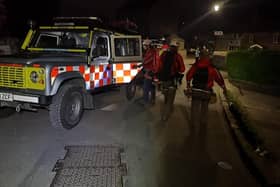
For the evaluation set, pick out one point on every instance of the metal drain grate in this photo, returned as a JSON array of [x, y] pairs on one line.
[[90, 166]]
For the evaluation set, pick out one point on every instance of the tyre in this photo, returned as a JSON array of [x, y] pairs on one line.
[[67, 106], [133, 89], [6, 112], [130, 90]]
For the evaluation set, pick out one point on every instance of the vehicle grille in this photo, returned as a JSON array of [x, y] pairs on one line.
[[12, 77]]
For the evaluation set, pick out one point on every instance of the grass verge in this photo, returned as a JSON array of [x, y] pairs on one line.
[[244, 123]]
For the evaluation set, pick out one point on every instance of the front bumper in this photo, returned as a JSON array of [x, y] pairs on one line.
[[8, 97], [25, 98]]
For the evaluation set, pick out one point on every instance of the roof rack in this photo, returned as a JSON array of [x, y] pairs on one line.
[[76, 18], [124, 26], [66, 21]]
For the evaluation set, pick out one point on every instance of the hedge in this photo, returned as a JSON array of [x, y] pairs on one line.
[[261, 67], [219, 62]]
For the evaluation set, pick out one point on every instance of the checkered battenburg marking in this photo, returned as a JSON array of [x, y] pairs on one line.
[[100, 75], [124, 73]]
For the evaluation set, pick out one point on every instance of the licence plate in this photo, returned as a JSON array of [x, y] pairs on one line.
[[6, 97]]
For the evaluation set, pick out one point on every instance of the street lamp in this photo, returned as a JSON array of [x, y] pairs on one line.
[[216, 7]]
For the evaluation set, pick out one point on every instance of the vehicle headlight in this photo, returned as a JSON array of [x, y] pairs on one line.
[[34, 76]]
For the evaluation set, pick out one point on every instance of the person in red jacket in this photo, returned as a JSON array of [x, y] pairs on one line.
[[150, 68], [203, 75], [208, 74], [164, 47], [171, 65]]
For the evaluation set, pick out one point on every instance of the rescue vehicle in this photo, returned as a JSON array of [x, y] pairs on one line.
[[61, 64]]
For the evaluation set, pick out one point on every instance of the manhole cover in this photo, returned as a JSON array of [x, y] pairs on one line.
[[224, 165], [92, 166]]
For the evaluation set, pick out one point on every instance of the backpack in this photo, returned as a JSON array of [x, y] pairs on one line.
[[200, 78], [165, 71]]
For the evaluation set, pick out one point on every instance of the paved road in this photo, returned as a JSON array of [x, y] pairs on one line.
[[158, 154]]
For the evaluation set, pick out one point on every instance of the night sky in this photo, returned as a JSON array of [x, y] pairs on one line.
[[153, 16]]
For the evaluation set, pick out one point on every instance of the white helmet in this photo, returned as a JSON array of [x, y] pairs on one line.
[[147, 42], [174, 43]]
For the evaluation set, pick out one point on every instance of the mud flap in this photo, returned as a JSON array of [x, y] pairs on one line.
[[88, 101]]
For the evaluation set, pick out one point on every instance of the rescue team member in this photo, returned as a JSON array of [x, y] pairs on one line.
[[150, 68], [203, 75], [170, 65], [164, 47]]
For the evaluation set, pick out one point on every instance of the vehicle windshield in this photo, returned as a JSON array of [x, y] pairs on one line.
[[70, 39]]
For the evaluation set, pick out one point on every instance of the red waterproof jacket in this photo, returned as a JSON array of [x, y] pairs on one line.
[[213, 73], [177, 67], [164, 47], [150, 60]]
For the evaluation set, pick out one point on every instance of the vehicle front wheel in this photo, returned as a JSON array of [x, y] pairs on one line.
[[67, 106], [6, 112]]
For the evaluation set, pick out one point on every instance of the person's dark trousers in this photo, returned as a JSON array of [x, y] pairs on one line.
[[196, 59], [169, 92], [199, 108], [149, 88]]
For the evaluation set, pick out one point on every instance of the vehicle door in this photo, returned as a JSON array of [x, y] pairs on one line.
[[126, 56], [100, 68]]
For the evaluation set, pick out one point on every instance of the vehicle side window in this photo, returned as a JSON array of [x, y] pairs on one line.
[[67, 42], [47, 41], [52, 39], [126, 47], [101, 47]]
